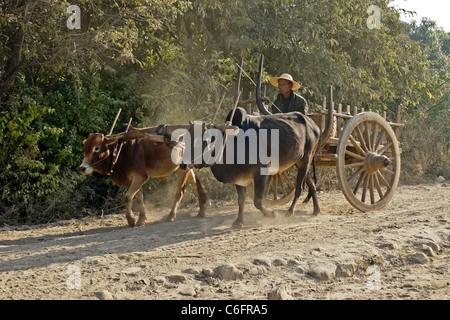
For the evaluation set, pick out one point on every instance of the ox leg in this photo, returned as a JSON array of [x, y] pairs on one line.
[[312, 193], [260, 186], [239, 223], [300, 184], [181, 189], [199, 191], [135, 186], [140, 200]]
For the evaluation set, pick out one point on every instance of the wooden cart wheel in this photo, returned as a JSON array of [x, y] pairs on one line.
[[280, 188], [368, 163]]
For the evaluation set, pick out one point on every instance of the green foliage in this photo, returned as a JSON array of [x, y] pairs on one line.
[[425, 142], [25, 174], [434, 95], [426, 146], [319, 43], [42, 146]]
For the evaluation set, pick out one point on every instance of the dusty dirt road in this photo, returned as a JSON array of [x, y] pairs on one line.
[[401, 252]]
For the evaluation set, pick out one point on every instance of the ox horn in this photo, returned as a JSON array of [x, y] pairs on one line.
[[238, 81], [259, 101], [110, 140]]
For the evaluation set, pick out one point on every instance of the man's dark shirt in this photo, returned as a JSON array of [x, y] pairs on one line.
[[295, 102]]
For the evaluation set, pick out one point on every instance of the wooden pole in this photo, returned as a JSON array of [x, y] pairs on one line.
[[339, 120], [217, 110], [114, 123], [234, 109], [120, 148], [398, 120]]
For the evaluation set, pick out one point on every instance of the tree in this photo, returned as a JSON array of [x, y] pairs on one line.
[[435, 45], [319, 42], [53, 90], [35, 34], [426, 146]]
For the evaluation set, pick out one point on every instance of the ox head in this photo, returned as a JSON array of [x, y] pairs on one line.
[[97, 155]]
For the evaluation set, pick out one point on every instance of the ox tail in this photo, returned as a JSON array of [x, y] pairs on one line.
[[314, 169]]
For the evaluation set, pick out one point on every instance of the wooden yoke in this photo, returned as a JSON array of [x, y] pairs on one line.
[[155, 134]]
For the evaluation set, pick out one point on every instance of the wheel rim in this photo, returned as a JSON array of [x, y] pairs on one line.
[[368, 163]]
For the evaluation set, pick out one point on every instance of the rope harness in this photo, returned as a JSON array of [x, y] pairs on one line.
[[118, 149], [229, 122]]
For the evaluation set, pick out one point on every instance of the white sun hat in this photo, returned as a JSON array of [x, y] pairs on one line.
[[285, 76]]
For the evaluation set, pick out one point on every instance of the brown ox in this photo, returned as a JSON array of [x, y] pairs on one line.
[[138, 160]]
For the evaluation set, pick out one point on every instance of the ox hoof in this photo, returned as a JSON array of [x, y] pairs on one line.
[[131, 222], [269, 214], [238, 225], [316, 212], [290, 214], [140, 223], [201, 215]]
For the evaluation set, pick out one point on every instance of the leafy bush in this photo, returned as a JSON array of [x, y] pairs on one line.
[[425, 143]]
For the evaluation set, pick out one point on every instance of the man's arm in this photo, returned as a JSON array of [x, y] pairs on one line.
[[300, 104]]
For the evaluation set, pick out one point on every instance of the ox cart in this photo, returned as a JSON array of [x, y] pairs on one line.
[[364, 148], [362, 145]]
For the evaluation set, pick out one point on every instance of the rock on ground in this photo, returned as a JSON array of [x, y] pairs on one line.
[[279, 293], [229, 272]]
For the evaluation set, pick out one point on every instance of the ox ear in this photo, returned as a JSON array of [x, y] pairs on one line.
[[110, 140]]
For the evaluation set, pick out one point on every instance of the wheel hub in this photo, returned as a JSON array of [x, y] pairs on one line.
[[374, 162]]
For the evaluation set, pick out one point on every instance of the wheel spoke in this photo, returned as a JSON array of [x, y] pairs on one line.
[[356, 145], [361, 139], [288, 179], [356, 164], [292, 170], [283, 189], [357, 172], [383, 180], [364, 191], [377, 186], [380, 138], [385, 147], [372, 195], [354, 155], [388, 171], [360, 180], [266, 192], [374, 136], [367, 135]]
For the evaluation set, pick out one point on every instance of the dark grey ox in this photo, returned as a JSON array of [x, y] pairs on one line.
[[298, 140]]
